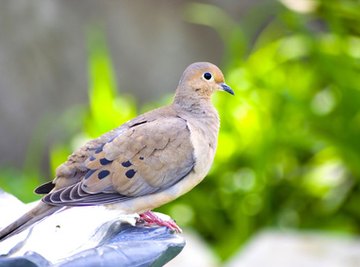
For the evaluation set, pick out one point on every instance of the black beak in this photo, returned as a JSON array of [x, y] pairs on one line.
[[227, 88]]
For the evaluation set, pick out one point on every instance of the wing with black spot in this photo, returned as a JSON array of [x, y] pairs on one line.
[[138, 162], [44, 188]]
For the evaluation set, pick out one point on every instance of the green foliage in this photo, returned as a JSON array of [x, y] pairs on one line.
[[288, 150], [107, 110], [20, 183]]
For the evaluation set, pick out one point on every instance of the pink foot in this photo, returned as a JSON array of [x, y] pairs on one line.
[[149, 218]]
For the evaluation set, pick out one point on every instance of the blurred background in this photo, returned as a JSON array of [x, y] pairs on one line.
[[289, 148]]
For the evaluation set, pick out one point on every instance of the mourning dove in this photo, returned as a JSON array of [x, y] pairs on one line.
[[146, 162]]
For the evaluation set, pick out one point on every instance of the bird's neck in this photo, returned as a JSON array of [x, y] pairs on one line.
[[200, 111], [193, 103]]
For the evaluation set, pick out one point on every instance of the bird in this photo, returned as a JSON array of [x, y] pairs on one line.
[[144, 163]]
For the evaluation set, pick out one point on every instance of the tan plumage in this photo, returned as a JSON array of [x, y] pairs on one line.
[[145, 162]]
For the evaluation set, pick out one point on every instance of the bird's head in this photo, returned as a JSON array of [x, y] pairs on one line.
[[202, 79]]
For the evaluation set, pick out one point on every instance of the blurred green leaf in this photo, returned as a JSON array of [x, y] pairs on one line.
[[107, 110]]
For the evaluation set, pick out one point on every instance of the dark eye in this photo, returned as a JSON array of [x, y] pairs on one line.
[[207, 75]]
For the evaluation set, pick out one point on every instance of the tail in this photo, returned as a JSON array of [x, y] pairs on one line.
[[41, 211]]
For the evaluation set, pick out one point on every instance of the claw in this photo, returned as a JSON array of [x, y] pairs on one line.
[[150, 218]]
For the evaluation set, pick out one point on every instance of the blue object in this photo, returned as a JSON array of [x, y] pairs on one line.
[[123, 245]]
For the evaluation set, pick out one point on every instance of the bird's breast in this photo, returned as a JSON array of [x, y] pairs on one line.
[[204, 135]]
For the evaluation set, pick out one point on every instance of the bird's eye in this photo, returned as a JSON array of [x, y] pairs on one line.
[[207, 76]]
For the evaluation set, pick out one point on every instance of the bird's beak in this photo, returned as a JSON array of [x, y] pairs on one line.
[[226, 88]]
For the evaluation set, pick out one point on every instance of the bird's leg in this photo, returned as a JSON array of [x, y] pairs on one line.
[[151, 218]]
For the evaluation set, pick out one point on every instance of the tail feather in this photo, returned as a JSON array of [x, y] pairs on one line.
[[41, 211]]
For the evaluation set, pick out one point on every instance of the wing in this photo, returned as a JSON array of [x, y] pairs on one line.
[[147, 157]]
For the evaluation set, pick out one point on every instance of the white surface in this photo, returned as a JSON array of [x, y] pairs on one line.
[[298, 249], [268, 249], [11, 208], [50, 237]]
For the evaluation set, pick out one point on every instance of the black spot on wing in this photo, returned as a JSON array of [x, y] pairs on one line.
[[105, 161], [141, 158], [138, 123], [103, 174], [126, 164], [92, 158], [45, 188], [130, 173]]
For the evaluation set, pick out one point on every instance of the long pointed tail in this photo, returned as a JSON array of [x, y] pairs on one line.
[[41, 211]]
